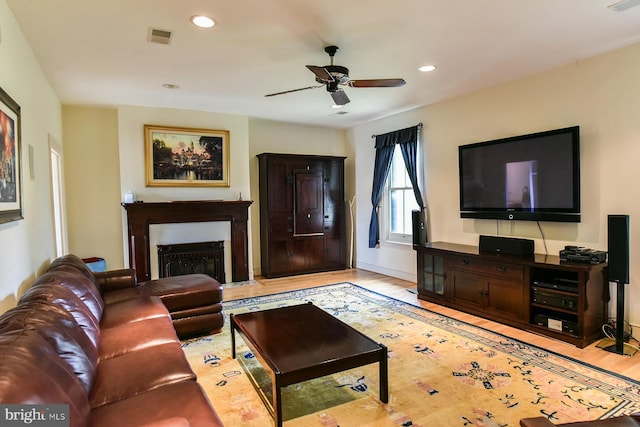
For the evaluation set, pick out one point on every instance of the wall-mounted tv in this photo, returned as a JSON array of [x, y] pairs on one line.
[[534, 177]]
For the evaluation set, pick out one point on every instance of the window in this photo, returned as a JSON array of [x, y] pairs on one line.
[[399, 201]]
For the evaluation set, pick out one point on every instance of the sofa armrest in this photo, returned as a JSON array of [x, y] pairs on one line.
[[169, 422], [116, 279], [536, 422]]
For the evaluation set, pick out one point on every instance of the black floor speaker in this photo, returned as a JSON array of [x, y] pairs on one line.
[[618, 251], [618, 248], [419, 227]]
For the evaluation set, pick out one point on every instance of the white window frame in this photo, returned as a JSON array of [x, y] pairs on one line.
[[387, 237]]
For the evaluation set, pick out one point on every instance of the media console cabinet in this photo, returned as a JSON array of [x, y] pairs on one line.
[[540, 293]]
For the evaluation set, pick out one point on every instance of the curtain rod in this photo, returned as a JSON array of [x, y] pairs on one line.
[[419, 125]]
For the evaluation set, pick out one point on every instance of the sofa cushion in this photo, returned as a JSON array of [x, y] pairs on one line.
[[184, 292], [177, 292], [134, 336], [73, 263], [185, 399], [198, 321], [84, 288], [32, 373], [61, 296], [120, 295], [130, 374], [61, 332], [133, 310]]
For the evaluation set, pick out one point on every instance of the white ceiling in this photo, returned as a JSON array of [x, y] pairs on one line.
[[96, 52]]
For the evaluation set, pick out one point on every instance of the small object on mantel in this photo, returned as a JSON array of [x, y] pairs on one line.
[[129, 197]]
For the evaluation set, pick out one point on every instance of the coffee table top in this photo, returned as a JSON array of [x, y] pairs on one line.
[[297, 337]]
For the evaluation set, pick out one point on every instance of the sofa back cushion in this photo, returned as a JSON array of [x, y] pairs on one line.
[[72, 262], [59, 295], [32, 373], [60, 330], [82, 287]]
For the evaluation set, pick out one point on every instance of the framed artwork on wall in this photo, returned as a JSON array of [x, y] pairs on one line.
[[186, 157], [10, 160]]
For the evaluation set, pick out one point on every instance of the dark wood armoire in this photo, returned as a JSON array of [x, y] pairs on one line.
[[302, 214]]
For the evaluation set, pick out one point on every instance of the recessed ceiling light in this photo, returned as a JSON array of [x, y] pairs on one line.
[[170, 86], [427, 68], [202, 21]]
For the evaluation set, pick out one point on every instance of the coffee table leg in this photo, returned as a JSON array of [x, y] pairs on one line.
[[233, 336], [277, 400], [384, 377]]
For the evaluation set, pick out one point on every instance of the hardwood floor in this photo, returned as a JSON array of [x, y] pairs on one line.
[[401, 289]]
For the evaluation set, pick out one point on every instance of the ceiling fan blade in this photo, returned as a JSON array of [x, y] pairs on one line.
[[340, 97], [294, 90], [377, 83], [321, 73]]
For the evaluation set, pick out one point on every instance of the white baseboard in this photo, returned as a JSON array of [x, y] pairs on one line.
[[411, 277]]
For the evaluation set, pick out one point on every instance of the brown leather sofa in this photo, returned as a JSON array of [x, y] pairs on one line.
[[194, 301], [623, 421], [114, 364]]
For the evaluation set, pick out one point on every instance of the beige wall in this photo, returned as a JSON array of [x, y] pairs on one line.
[[116, 138], [92, 176], [601, 95], [27, 245]]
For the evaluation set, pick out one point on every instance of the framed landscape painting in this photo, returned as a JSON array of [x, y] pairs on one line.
[[186, 157], [10, 160]]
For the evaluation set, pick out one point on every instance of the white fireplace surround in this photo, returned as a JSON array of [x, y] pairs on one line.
[[193, 232]]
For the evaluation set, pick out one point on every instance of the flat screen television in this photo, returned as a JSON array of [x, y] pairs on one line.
[[534, 177]]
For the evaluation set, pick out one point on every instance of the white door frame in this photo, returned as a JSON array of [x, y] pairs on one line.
[[58, 207]]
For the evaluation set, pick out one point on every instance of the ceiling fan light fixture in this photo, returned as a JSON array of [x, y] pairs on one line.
[[336, 106], [427, 68], [202, 21], [340, 97]]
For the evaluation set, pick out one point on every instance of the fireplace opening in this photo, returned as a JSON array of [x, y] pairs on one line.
[[187, 258]]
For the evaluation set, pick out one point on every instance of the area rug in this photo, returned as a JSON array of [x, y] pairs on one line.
[[442, 372]]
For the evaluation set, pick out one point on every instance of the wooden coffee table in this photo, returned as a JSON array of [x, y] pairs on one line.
[[301, 342]]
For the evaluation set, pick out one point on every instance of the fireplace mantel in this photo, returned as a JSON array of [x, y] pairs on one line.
[[140, 215]]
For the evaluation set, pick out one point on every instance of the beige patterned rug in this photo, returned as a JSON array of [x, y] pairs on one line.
[[442, 372]]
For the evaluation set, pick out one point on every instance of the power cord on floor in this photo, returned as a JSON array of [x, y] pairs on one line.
[[610, 328]]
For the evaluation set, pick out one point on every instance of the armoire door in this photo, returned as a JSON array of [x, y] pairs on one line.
[[308, 203]]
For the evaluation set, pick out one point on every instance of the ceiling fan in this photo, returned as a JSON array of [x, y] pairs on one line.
[[331, 76]]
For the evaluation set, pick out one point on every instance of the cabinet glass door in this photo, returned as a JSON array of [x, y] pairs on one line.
[[433, 274]]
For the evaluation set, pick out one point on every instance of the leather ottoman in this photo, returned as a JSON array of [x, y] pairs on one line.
[[193, 300]]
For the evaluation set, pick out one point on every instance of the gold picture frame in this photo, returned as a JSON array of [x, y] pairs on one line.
[[186, 157]]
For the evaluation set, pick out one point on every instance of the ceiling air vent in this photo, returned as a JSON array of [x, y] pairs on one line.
[[624, 5], [157, 35]]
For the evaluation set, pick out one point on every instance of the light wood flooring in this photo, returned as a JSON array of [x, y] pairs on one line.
[[400, 289]]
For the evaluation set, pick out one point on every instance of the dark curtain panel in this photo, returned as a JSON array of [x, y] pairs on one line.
[[380, 172], [409, 154], [385, 144]]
